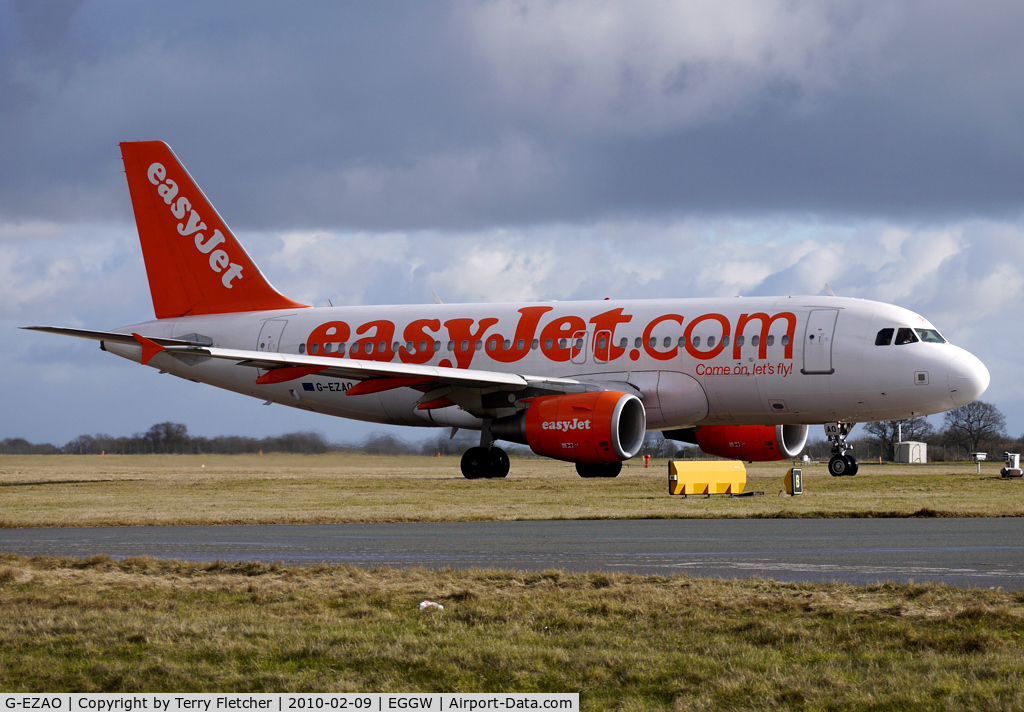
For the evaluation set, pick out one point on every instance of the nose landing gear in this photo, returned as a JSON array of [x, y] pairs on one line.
[[842, 463]]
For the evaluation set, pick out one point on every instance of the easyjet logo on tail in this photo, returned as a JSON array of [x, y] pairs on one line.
[[181, 207]]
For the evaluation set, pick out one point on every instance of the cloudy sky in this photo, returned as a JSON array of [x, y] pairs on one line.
[[377, 152]]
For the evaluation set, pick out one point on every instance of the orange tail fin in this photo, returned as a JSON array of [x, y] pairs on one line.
[[194, 263]]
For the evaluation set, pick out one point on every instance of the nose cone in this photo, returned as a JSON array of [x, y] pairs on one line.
[[968, 378]]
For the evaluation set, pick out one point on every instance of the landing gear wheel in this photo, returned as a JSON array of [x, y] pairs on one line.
[[482, 462], [499, 463], [475, 463], [598, 469], [843, 463], [838, 466]]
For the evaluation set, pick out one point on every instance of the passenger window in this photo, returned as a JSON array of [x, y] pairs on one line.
[[905, 336], [711, 341], [884, 337], [314, 349], [696, 341], [302, 348], [623, 342], [770, 340], [725, 341]]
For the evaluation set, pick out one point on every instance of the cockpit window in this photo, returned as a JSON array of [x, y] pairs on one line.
[[930, 336], [884, 337], [905, 336]]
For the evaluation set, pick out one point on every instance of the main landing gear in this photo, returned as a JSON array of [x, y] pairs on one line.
[[843, 462], [490, 462], [485, 462]]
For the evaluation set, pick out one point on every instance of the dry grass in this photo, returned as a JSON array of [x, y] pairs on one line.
[[624, 642], [185, 489]]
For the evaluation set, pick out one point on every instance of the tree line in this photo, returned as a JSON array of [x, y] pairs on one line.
[[975, 427], [172, 438]]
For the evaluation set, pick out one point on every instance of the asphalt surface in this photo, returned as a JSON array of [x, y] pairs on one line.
[[968, 553]]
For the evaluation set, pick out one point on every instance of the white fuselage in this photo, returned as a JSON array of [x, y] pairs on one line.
[[771, 361]]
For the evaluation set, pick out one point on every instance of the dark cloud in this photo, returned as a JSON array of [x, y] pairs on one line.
[[430, 115]]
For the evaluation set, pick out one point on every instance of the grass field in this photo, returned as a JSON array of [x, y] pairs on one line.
[[624, 642], [242, 489]]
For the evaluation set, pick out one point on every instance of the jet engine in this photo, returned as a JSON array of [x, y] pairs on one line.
[[753, 443], [604, 427]]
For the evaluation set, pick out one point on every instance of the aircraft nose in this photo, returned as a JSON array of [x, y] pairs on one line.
[[968, 378]]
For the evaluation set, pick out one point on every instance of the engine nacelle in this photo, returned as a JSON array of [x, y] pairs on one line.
[[579, 427], [753, 443]]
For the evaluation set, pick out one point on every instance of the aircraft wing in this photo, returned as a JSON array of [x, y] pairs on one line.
[[374, 376]]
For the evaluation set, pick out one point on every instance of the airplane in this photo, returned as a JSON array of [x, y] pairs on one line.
[[580, 381]]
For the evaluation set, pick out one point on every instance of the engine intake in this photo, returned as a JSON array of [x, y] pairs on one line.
[[579, 427]]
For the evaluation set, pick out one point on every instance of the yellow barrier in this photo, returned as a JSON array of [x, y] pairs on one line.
[[706, 477]]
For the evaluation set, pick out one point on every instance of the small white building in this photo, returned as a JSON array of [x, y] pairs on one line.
[[909, 451]]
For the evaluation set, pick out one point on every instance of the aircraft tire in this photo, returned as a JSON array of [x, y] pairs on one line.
[[598, 469], [475, 463], [499, 464], [484, 463], [854, 466], [838, 466]]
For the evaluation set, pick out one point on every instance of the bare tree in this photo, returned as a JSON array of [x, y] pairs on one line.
[[886, 433], [167, 437], [973, 424]]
